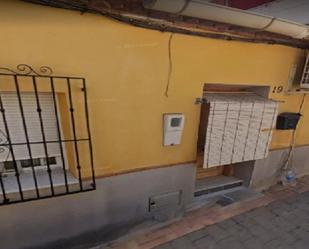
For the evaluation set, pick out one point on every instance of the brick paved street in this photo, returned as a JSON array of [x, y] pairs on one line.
[[281, 224]]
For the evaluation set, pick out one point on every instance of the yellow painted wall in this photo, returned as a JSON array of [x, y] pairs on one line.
[[126, 70]]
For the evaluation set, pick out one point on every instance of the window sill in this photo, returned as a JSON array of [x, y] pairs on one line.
[[28, 185]]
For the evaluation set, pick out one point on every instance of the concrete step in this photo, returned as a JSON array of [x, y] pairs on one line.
[[216, 184], [223, 198]]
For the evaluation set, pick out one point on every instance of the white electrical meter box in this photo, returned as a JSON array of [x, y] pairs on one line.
[[173, 128]]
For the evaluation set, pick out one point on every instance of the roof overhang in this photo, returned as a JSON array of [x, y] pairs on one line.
[[134, 13]]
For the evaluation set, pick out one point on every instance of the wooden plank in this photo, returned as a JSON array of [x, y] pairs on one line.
[[225, 88], [205, 108], [203, 173], [228, 170]]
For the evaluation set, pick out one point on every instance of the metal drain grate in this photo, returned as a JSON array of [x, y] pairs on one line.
[[217, 189]]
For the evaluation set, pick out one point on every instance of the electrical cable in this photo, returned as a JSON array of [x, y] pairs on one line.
[[302, 103], [293, 140], [183, 8], [170, 65], [164, 27], [268, 25]]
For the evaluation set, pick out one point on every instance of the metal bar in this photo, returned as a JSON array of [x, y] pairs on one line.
[[212, 120], [74, 134], [26, 135], [47, 196], [11, 148], [50, 141], [247, 136], [39, 110], [59, 134], [89, 134], [42, 76], [3, 189]]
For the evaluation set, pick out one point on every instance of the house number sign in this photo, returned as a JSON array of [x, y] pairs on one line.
[[278, 89]]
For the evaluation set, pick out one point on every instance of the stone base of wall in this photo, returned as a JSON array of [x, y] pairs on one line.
[[117, 204], [122, 201], [267, 172]]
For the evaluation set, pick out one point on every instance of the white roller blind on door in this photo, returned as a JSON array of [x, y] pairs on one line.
[[239, 128], [16, 128]]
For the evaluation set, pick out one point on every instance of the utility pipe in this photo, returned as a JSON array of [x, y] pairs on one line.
[[204, 10]]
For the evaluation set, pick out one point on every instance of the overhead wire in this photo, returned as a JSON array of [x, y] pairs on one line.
[[170, 65], [293, 139]]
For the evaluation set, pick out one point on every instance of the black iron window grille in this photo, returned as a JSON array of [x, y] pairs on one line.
[[45, 139]]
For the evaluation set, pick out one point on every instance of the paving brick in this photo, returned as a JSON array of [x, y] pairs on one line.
[[216, 232], [265, 222], [300, 244], [166, 246], [300, 233], [253, 243], [273, 244], [228, 223], [182, 243], [205, 243], [230, 243], [197, 235], [244, 236], [286, 237], [263, 234], [241, 218]]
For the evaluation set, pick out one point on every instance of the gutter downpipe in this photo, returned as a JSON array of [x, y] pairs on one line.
[[204, 10]]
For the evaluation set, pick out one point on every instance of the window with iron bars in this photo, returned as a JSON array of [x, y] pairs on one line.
[[45, 139]]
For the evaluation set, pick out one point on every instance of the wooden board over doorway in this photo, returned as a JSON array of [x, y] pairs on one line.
[[203, 173], [205, 108]]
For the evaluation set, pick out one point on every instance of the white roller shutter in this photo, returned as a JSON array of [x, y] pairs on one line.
[[239, 128], [16, 129]]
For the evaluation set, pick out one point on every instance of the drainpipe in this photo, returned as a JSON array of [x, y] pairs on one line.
[[204, 10]]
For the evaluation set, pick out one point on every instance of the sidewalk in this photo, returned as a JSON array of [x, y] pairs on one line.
[[192, 231], [282, 224]]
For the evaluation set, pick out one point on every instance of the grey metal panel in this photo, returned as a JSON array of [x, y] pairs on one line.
[[164, 201]]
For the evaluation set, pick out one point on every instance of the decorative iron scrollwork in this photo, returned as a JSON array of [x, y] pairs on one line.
[[24, 69], [4, 146]]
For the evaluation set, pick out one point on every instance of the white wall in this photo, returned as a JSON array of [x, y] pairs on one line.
[[267, 172], [295, 10]]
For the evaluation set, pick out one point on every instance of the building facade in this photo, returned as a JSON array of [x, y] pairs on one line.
[[127, 70]]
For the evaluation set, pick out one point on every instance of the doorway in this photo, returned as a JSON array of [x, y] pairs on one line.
[[235, 129]]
